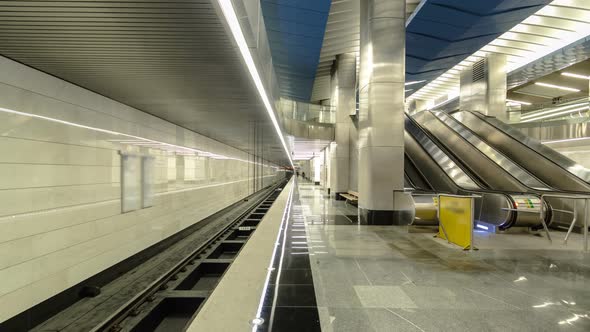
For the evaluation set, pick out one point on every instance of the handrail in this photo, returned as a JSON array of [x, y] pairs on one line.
[[586, 199]]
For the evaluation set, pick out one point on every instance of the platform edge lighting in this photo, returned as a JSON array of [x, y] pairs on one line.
[[232, 20]]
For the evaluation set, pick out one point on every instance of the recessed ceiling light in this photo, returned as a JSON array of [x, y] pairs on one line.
[[565, 88], [584, 77]]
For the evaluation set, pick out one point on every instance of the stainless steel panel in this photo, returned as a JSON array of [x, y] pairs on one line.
[[376, 181], [381, 145], [493, 208], [388, 58], [416, 178], [379, 125], [426, 210]]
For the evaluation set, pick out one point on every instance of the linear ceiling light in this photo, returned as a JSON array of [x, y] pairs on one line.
[[414, 82], [565, 88], [551, 110], [583, 108], [584, 77], [234, 25], [517, 102], [567, 140]]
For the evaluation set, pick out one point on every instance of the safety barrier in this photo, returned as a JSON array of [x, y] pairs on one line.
[[456, 219], [574, 214]]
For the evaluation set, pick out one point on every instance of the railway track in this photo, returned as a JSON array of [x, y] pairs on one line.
[[174, 299]]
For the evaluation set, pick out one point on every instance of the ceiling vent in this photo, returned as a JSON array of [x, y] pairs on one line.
[[478, 71]]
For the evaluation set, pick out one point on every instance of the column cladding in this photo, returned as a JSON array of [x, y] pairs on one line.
[[381, 114]]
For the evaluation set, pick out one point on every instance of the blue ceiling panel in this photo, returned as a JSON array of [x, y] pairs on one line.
[[295, 31], [439, 36], [445, 32]]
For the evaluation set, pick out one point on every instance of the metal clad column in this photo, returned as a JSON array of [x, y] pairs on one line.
[[344, 102], [483, 87], [381, 114], [497, 82]]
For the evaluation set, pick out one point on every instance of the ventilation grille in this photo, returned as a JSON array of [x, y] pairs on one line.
[[478, 71]]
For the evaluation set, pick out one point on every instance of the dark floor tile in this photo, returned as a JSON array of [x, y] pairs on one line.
[[295, 277], [296, 296], [293, 319], [296, 261]]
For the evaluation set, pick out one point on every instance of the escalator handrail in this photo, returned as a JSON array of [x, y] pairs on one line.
[[585, 178], [506, 173], [472, 191], [507, 160]]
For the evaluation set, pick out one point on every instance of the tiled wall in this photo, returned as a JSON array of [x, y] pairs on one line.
[[60, 209]]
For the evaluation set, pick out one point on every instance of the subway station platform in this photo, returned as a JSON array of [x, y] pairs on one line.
[[382, 278]]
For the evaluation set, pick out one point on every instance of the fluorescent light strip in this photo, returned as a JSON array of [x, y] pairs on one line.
[[553, 110], [414, 82], [234, 25], [518, 102], [584, 77], [565, 88], [558, 114], [567, 140]]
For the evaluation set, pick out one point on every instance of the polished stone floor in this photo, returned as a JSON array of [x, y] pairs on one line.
[[382, 278]]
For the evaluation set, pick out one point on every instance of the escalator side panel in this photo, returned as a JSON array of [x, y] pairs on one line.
[[414, 175]]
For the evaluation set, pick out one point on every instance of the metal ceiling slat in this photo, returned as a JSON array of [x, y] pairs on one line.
[[173, 59]]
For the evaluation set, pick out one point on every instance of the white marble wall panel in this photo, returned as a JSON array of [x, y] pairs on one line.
[[60, 209]]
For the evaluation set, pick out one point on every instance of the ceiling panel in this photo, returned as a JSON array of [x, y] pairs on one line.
[[546, 33], [173, 59], [295, 31]]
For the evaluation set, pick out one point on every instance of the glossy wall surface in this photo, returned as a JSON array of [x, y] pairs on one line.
[[60, 192]]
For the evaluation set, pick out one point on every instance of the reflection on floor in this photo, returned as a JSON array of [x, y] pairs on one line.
[[382, 278]]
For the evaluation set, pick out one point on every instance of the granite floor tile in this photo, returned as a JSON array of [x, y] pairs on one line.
[[384, 278], [383, 297]]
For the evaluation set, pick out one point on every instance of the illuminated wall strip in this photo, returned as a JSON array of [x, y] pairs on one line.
[[141, 141], [234, 25]]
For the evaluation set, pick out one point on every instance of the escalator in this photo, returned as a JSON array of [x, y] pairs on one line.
[[546, 164], [491, 165], [488, 164], [446, 175]]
